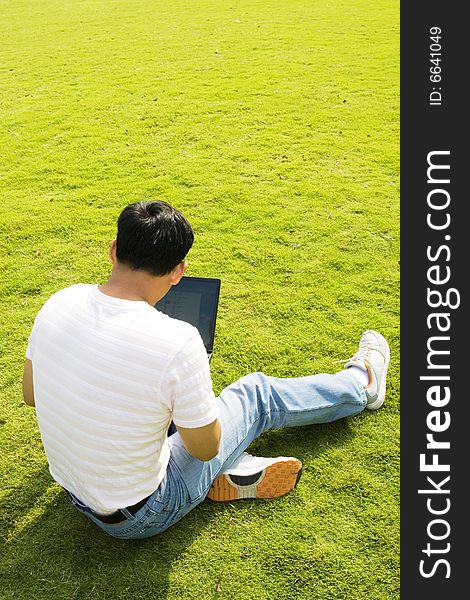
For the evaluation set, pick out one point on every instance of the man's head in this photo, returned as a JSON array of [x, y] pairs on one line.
[[152, 237]]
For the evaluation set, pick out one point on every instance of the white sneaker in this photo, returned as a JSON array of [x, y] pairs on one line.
[[373, 357], [256, 477]]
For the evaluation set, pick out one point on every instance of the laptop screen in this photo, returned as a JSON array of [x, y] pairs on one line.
[[195, 300]]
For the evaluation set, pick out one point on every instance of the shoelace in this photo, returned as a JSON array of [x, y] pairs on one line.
[[362, 354]]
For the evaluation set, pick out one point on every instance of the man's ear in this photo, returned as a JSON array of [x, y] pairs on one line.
[[112, 252], [178, 272]]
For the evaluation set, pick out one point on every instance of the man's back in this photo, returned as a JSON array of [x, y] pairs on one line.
[[109, 375]]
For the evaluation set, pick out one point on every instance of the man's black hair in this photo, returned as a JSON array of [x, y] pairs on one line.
[[153, 237]]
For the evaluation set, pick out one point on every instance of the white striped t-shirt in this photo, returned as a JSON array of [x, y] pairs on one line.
[[109, 375]]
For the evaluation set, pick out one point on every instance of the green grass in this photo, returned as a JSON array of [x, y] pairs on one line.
[[274, 127]]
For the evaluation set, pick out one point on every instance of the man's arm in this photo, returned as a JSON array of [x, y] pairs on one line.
[[28, 390], [201, 442]]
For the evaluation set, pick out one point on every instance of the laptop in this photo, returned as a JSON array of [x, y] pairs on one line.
[[195, 300]]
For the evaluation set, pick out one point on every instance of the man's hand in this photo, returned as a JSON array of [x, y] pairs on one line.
[[28, 390], [201, 442]]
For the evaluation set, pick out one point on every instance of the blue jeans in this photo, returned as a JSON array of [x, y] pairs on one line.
[[248, 407]]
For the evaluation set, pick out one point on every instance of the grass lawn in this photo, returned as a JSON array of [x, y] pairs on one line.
[[274, 127]]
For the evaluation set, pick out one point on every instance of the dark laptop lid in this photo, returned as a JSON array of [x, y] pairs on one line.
[[195, 300]]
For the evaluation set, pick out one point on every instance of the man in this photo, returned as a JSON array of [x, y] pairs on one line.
[[109, 374]]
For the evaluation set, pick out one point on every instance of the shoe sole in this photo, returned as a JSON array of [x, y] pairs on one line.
[[275, 480], [381, 395]]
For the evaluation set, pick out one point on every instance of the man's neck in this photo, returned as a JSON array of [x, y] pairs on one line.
[[135, 285], [116, 290]]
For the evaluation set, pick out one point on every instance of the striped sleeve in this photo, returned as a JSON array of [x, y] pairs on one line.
[[188, 386]]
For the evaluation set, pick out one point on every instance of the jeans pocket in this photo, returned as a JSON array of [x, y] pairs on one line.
[[149, 523], [125, 528]]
